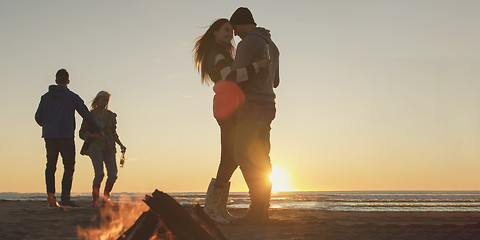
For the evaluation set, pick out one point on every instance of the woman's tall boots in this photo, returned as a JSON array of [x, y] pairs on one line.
[[216, 202], [225, 190], [106, 193]]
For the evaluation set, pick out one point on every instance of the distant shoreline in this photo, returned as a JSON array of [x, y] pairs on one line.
[[362, 201]]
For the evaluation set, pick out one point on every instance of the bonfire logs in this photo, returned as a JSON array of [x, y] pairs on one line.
[[167, 217], [145, 226]]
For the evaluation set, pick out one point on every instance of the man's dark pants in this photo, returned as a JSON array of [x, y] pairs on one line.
[[252, 148], [66, 147]]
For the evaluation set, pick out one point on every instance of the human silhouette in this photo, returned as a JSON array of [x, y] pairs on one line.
[[56, 115], [252, 140], [213, 53], [101, 148]]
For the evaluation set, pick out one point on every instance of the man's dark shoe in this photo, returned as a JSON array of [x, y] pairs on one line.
[[52, 202], [255, 215], [68, 203]]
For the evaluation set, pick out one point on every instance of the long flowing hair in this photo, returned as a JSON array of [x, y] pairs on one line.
[[205, 45], [97, 98]]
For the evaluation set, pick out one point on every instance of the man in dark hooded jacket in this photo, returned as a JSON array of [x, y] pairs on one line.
[[252, 142], [56, 116]]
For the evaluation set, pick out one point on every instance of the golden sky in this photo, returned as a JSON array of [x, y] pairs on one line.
[[374, 95]]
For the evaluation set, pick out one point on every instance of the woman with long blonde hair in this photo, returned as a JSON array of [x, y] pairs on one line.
[[101, 148]]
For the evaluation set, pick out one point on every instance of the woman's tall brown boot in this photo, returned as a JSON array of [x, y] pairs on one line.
[[106, 193]]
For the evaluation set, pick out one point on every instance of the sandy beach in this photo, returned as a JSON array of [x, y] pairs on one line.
[[33, 220]]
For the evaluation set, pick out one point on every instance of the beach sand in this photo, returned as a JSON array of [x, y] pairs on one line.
[[33, 220]]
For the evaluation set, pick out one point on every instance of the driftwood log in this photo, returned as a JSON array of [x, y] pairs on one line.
[[168, 219]]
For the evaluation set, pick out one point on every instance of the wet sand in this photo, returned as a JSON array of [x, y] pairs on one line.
[[33, 220]]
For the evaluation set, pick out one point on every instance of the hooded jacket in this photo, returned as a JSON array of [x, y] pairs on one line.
[[56, 113], [251, 49]]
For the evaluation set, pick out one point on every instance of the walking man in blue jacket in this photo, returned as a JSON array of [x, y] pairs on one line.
[[56, 116]]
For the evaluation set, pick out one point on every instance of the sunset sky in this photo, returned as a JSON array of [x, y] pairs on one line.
[[373, 95]]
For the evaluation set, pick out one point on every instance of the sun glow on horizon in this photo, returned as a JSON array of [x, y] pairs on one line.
[[280, 180]]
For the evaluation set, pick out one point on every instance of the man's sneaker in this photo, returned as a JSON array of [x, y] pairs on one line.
[[68, 203], [52, 202]]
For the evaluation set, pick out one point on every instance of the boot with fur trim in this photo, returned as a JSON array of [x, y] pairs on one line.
[[214, 201]]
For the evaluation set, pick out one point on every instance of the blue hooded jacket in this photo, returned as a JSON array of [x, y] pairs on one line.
[[56, 113]]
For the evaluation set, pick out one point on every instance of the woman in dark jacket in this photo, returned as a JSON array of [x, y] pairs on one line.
[[101, 148]]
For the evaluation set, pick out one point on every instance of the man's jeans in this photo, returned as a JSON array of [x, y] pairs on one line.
[[66, 147], [252, 147]]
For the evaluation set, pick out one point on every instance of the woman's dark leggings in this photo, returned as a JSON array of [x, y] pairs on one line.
[[227, 139]]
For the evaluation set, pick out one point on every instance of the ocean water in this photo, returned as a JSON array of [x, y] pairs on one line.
[[321, 200]]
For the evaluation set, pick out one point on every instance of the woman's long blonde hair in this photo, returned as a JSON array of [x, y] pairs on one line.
[[100, 95]]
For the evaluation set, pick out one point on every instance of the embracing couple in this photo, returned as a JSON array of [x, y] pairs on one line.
[[244, 107]]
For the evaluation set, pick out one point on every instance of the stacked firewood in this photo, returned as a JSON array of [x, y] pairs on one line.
[[167, 219]]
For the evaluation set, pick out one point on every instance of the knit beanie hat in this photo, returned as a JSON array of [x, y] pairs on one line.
[[242, 16]]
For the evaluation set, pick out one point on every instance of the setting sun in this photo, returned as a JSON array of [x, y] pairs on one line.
[[280, 180]]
